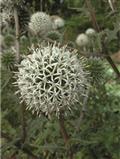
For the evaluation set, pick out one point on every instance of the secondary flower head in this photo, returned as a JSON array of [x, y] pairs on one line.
[[58, 22], [82, 40], [40, 23], [90, 32], [50, 79]]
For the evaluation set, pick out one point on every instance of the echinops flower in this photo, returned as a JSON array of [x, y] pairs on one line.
[[82, 40], [51, 79], [90, 32], [58, 22], [40, 23]]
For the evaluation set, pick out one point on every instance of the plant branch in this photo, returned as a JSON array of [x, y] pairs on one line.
[[96, 27], [23, 122], [84, 109], [63, 129], [17, 34], [65, 134]]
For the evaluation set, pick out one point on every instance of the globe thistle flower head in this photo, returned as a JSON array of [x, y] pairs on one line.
[[49, 79], [58, 22], [40, 23], [90, 32], [82, 40]]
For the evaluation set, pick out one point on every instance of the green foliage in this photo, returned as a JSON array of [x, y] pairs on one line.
[[94, 127]]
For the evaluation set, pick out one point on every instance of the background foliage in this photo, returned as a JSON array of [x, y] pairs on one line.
[[94, 131]]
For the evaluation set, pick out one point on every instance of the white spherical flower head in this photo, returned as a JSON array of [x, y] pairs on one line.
[[58, 22], [50, 79], [90, 32], [40, 23], [82, 40]]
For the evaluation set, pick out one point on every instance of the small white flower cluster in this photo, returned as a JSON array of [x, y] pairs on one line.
[[50, 79], [90, 32], [57, 22], [40, 23], [82, 39]]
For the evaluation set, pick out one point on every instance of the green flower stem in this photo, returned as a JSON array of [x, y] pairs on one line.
[[96, 27], [65, 134], [17, 41], [17, 28]]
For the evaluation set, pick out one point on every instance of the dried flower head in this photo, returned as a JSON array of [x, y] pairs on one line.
[[82, 40], [40, 23], [50, 79], [90, 32], [58, 22]]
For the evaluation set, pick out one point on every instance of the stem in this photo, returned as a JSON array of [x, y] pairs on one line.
[[109, 59], [41, 5], [23, 122], [65, 134], [111, 5], [84, 109], [92, 14], [96, 27], [63, 129], [17, 34]]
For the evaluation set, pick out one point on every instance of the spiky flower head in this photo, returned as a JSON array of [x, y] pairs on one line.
[[8, 59], [50, 79], [82, 40], [90, 32], [40, 23], [58, 22]]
